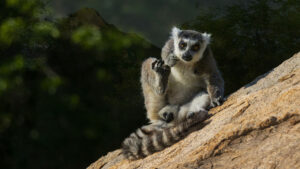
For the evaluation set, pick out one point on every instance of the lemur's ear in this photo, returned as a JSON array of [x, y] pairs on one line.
[[175, 31], [206, 37]]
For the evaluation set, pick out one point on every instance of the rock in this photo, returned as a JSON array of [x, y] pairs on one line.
[[257, 127]]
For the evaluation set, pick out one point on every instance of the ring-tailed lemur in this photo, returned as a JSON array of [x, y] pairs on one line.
[[177, 90], [187, 68]]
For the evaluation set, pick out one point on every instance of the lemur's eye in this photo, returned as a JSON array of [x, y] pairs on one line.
[[196, 47], [182, 45]]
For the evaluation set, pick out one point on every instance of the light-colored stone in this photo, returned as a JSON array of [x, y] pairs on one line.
[[257, 127]]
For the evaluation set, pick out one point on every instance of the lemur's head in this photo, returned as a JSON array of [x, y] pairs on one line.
[[189, 45]]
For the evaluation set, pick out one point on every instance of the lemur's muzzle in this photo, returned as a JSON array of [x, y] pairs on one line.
[[187, 56]]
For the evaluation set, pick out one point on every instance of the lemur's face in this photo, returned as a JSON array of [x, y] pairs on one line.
[[189, 45]]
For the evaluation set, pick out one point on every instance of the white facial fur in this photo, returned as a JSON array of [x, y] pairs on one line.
[[197, 55]]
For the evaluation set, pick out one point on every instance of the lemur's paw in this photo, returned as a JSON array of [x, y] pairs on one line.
[[159, 67], [216, 101], [168, 113]]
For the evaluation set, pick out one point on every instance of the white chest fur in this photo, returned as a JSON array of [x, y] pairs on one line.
[[183, 84], [183, 74]]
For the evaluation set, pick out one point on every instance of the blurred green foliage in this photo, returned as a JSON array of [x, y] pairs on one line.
[[69, 88], [46, 29], [87, 36], [11, 30], [251, 38]]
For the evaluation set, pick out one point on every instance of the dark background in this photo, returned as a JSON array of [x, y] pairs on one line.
[[69, 75]]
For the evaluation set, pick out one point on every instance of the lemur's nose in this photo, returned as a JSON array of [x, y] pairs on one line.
[[187, 56]]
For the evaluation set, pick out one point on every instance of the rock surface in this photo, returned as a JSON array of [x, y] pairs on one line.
[[257, 127]]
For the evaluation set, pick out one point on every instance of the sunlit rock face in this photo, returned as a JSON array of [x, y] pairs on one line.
[[257, 127]]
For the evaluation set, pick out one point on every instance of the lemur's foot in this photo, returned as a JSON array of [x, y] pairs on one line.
[[216, 100], [169, 113], [163, 72], [159, 67], [202, 114]]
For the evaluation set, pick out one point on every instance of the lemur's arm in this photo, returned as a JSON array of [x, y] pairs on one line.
[[212, 78], [167, 53], [214, 82]]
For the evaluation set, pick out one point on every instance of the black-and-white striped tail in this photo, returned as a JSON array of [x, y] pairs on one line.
[[152, 138]]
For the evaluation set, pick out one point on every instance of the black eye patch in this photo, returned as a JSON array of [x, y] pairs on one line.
[[195, 47], [182, 45]]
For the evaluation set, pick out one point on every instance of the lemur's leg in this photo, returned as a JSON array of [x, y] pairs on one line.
[[154, 81], [176, 114], [198, 104]]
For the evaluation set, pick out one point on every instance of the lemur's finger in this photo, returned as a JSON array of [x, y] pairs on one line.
[[154, 63], [160, 63]]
